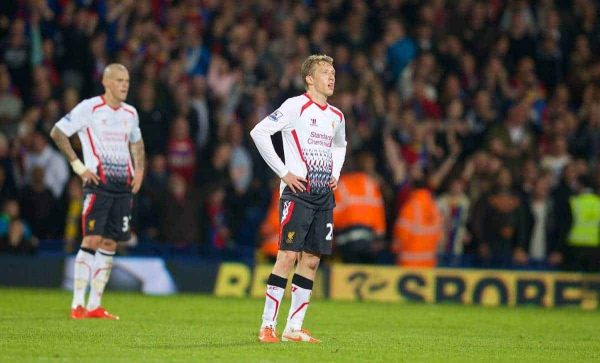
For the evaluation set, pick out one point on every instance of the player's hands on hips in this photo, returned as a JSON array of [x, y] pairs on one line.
[[136, 183], [296, 183], [333, 183], [86, 175], [89, 178]]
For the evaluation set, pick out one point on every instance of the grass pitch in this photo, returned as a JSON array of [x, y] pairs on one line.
[[34, 326]]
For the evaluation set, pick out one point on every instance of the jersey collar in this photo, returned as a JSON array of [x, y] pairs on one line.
[[106, 103], [322, 107]]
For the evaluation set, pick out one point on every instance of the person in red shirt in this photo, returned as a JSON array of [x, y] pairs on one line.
[[181, 150]]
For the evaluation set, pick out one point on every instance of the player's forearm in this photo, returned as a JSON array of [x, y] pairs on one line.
[[138, 154], [63, 143], [339, 156]]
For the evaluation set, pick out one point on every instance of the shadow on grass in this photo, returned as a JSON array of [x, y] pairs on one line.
[[198, 345]]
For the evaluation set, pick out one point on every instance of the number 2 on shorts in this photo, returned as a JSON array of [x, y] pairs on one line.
[[330, 233]]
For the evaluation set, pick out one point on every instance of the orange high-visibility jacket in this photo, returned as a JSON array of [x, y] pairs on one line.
[[418, 230], [359, 203], [269, 229]]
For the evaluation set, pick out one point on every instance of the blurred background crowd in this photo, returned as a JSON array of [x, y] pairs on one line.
[[473, 126]]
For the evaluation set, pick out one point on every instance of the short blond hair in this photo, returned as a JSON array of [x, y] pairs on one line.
[[308, 66], [111, 68]]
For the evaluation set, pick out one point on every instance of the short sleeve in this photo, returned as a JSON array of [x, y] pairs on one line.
[[76, 120], [136, 134]]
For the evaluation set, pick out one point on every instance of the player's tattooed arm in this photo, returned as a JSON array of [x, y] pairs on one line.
[[63, 143], [138, 154], [139, 157]]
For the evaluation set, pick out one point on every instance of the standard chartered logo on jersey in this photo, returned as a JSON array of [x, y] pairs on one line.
[[320, 139]]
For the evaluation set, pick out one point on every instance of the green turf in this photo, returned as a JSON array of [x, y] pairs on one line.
[[34, 327]]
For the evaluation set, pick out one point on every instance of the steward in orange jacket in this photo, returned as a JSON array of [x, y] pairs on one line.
[[269, 229], [418, 230], [359, 216]]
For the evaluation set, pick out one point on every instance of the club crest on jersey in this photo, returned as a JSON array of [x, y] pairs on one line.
[[313, 122], [91, 224], [275, 115], [290, 237]]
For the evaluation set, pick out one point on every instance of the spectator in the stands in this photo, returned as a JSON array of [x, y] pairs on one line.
[[39, 206], [181, 151], [544, 248], [53, 164], [15, 234], [179, 214]]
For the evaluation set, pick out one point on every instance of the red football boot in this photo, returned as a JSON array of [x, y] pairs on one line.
[[78, 313], [100, 313], [268, 335], [301, 335]]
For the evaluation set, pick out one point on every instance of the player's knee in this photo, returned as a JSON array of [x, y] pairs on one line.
[[91, 242], [287, 259], [310, 262], [108, 245]]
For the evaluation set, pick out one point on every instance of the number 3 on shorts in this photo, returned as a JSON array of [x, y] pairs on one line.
[[330, 233], [125, 224]]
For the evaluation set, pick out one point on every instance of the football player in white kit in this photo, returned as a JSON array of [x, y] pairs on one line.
[[314, 144], [110, 136]]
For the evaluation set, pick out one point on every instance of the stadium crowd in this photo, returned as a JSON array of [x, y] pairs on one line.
[[473, 126]]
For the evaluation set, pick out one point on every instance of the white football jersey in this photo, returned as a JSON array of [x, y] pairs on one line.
[[314, 141], [105, 134]]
